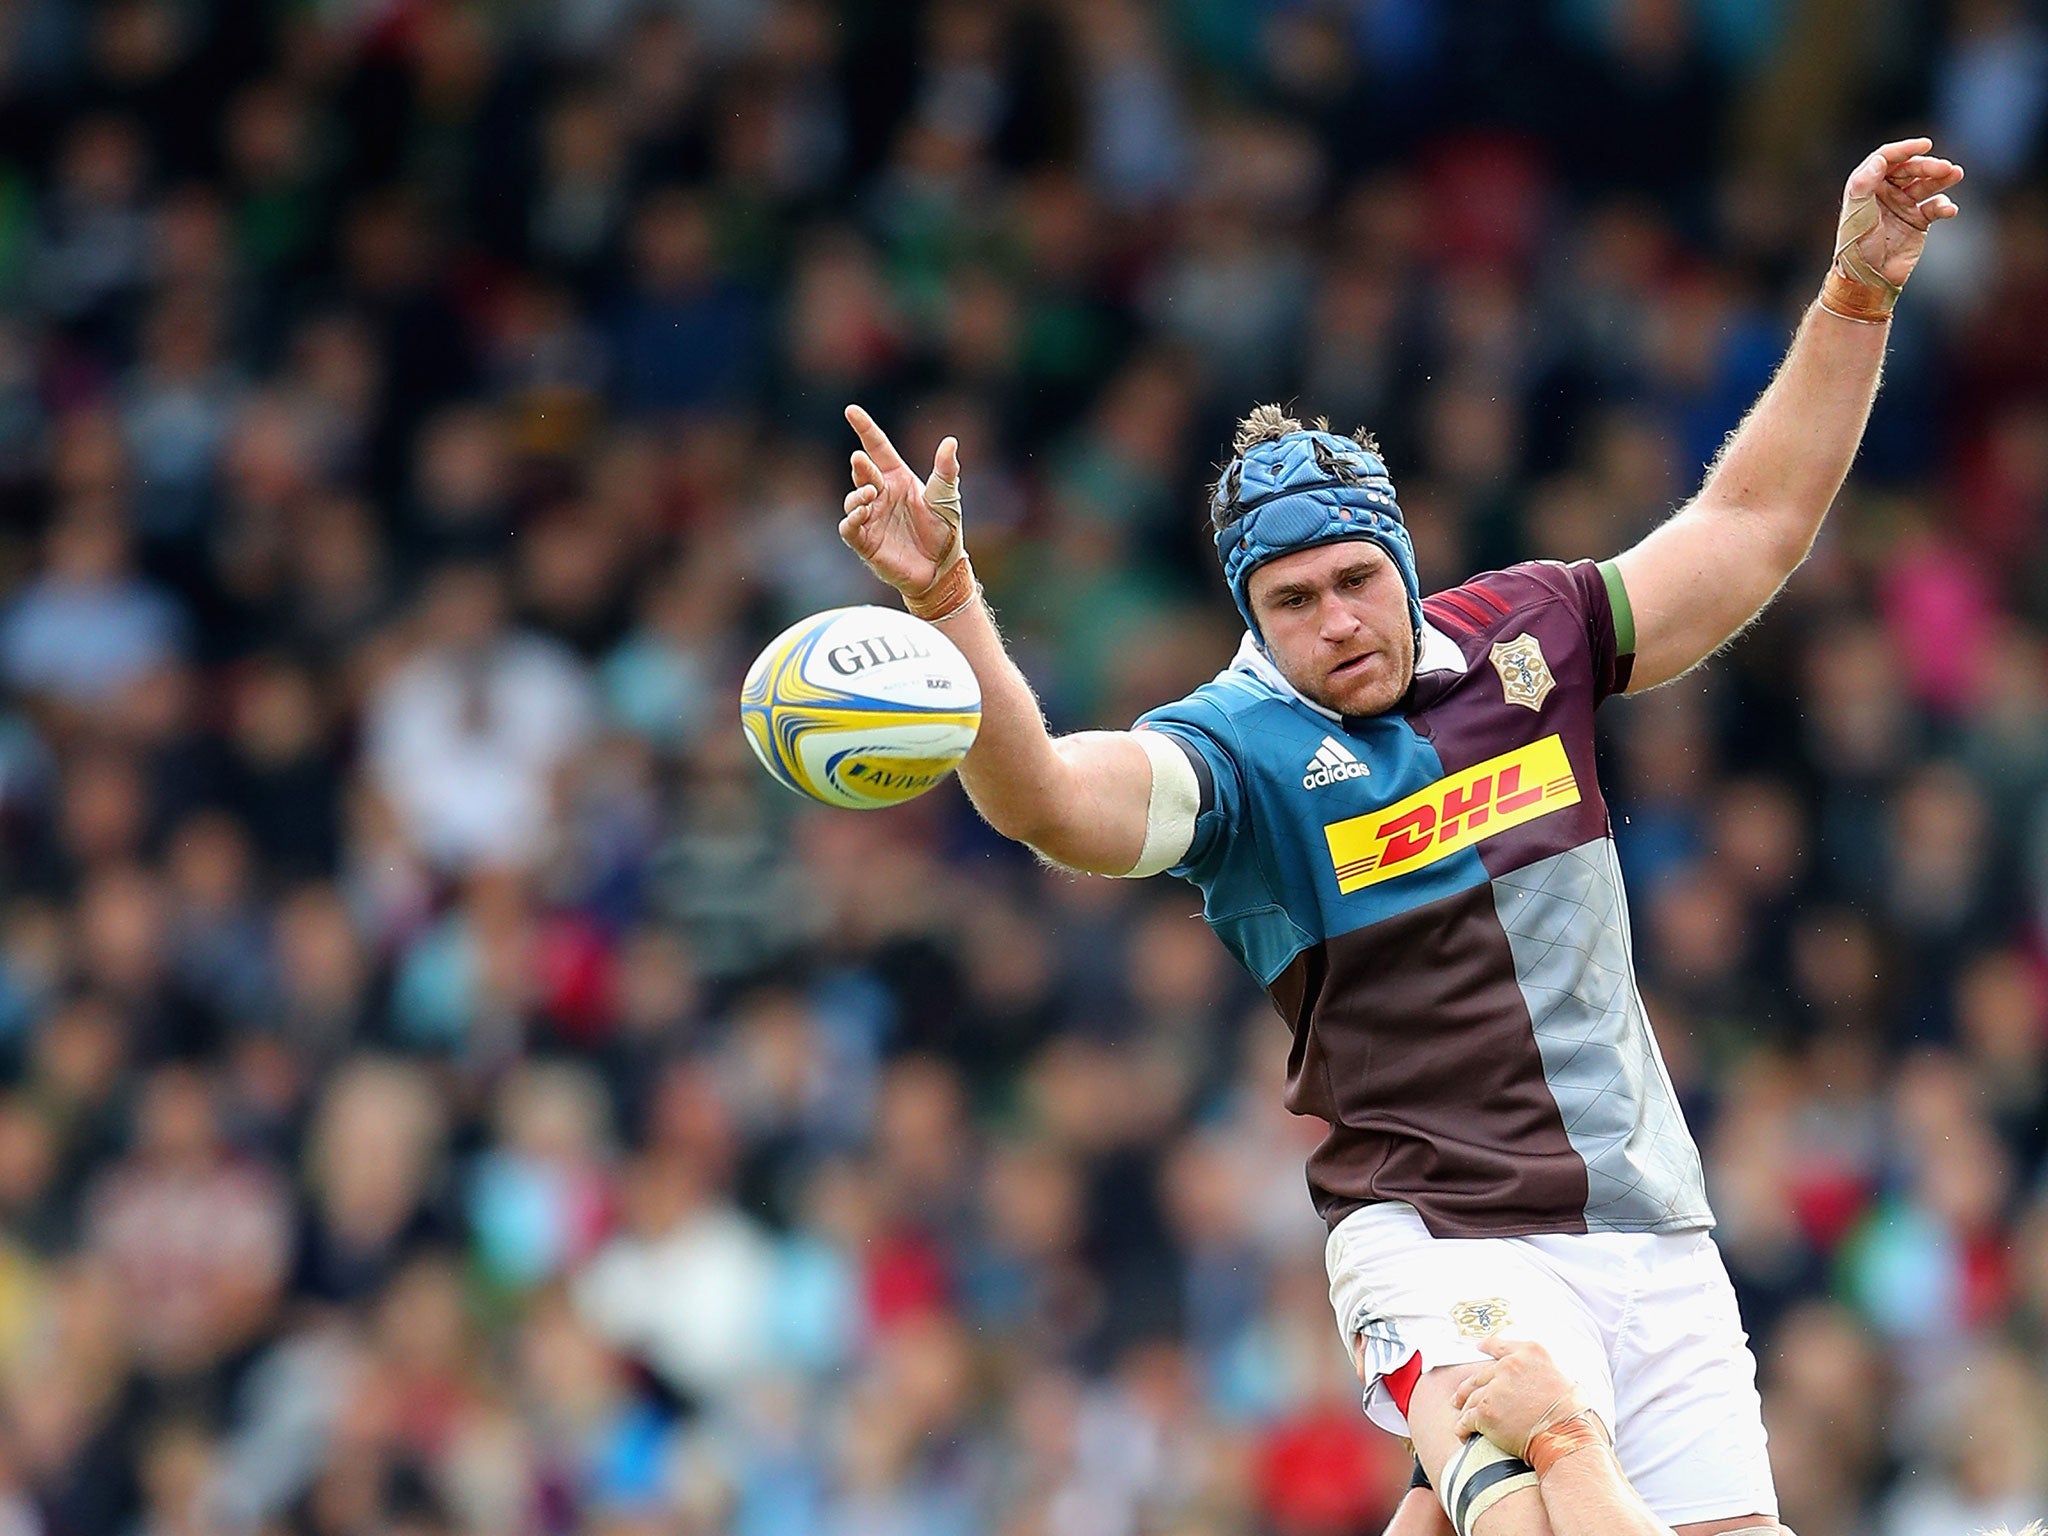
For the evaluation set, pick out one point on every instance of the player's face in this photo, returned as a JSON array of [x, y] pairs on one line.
[[1335, 620]]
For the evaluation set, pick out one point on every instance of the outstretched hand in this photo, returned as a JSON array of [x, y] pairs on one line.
[[907, 532], [1892, 199]]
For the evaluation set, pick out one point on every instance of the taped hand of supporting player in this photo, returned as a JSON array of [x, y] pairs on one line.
[[909, 534], [1516, 1396], [1892, 199]]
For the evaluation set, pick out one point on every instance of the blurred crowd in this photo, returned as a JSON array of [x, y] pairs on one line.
[[445, 1087]]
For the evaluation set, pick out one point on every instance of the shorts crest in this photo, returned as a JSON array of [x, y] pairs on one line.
[[1482, 1318]]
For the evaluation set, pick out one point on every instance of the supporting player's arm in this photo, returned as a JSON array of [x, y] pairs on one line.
[[1088, 801], [1524, 1404], [1419, 1514], [1695, 581]]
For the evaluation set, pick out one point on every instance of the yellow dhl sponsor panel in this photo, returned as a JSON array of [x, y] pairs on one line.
[[1455, 812]]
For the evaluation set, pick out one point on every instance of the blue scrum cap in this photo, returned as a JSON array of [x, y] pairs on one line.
[[1304, 489]]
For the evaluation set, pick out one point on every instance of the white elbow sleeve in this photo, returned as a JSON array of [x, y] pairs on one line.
[[1170, 813], [1478, 1477]]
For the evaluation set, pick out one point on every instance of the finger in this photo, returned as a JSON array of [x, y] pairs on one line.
[[1467, 1425], [1881, 163], [857, 499], [1495, 1345], [1866, 178], [1939, 208], [1921, 188], [873, 438], [1902, 150], [864, 470], [946, 462], [1921, 165], [1479, 1377], [1936, 176]]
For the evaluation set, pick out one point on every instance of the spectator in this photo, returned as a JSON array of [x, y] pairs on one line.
[[89, 625], [87, 258], [685, 336], [375, 1152], [466, 736], [685, 1285], [196, 1242], [540, 1201]]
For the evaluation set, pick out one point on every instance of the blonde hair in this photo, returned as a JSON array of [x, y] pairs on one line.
[[1271, 422]]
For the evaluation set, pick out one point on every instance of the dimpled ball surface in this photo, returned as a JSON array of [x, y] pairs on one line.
[[860, 707]]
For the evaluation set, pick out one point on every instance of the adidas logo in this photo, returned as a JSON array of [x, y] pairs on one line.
[[1332, 764]]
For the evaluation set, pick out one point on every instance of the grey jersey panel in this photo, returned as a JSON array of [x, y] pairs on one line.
[[1567, 923]]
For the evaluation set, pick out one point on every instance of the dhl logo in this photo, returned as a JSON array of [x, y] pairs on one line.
[[1455, 812]]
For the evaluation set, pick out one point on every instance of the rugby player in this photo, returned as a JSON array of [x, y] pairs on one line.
[[1389, 805]]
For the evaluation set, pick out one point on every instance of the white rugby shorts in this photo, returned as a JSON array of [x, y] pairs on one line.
[[1646, 1323]]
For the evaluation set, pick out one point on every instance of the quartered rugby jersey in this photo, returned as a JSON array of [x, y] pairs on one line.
[[1432, 899]]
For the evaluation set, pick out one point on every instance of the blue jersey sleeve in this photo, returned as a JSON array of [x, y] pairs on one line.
[[1199, 728]]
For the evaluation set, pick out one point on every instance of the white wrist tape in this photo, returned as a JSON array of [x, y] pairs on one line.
[[1478, 1477], [1170, 814]]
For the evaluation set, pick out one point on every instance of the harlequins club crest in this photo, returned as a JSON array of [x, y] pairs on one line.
[[1480, 1319], [1524, 675]]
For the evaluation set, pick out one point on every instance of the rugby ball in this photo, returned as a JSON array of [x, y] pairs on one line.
[[860, 707]]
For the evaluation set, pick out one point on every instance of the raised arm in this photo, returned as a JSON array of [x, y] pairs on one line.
[[1085, 801], [1711, 568]]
